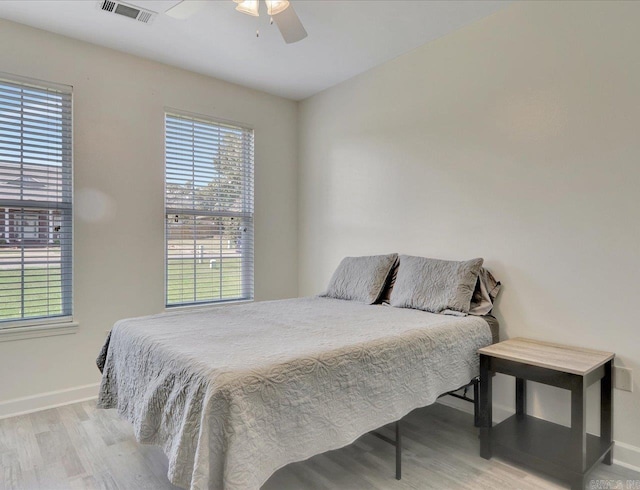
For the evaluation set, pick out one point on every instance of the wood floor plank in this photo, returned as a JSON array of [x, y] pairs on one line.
[[105, 481], [10, 472], [55, 447], [80, 412], [26, 446], [45, 420], [89, 454], [78, 447]]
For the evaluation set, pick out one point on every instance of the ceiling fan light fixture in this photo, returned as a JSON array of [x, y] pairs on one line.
[[276, 6], [250, 7]]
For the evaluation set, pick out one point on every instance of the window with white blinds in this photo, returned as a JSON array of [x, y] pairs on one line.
[[209, 211], [35, 202]]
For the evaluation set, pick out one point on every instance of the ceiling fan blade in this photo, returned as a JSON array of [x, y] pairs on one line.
[[185, 9], [290, 26]]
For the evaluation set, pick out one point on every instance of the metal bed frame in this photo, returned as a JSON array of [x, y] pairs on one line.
[[397, 442]]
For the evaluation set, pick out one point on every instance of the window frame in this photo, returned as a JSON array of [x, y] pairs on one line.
[[203, 118], [31, 327]]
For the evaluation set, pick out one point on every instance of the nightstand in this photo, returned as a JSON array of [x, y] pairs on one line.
[[566, 453]]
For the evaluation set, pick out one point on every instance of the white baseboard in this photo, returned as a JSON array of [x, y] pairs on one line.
[[44, 401], [624, 454]]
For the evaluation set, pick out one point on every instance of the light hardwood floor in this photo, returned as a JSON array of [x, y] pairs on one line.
[[80, 447]]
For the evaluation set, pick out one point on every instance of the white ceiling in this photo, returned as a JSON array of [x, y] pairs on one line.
[[346, 37]]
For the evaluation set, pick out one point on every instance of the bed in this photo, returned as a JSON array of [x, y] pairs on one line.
[[232, 394]]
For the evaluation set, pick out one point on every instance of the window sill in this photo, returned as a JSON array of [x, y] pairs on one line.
[[36, 331], [197, 306]]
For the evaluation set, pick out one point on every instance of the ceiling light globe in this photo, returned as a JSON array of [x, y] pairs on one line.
[[276, 6], [250, 7]]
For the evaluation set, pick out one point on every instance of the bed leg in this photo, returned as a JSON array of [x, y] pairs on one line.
[[398, 452], [476, 402]]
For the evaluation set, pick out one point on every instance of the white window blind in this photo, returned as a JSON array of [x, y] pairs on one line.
[[35, 201], [209, 211]]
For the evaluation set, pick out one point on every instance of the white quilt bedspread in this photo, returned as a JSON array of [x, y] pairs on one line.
[[234, 393]]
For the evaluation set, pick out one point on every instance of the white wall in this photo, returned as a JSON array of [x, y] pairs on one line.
[[515, 139], [119, 103]]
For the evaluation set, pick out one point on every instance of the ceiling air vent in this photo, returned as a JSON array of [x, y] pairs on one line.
[[126, 10]]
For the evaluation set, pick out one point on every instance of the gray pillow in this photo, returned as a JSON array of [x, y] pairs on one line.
[[437, 286], [360, 279]]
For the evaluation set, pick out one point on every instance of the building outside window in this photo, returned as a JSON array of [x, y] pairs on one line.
[[35, 202]]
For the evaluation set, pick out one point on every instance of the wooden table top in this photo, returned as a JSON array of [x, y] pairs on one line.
[[558, 357]]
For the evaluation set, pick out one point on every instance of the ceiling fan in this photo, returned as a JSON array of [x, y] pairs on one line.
[[281, 11]]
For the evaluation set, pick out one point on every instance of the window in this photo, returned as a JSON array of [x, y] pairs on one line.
[[35, 202], [209, 211]]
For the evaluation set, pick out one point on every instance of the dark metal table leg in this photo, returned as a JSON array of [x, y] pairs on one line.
[[398, 452], [397, 443], [606, 409], [578, 445], [521, 397], [486, 412], [476, 403]]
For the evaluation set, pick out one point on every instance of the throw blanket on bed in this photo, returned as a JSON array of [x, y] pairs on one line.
[[234, 393]]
